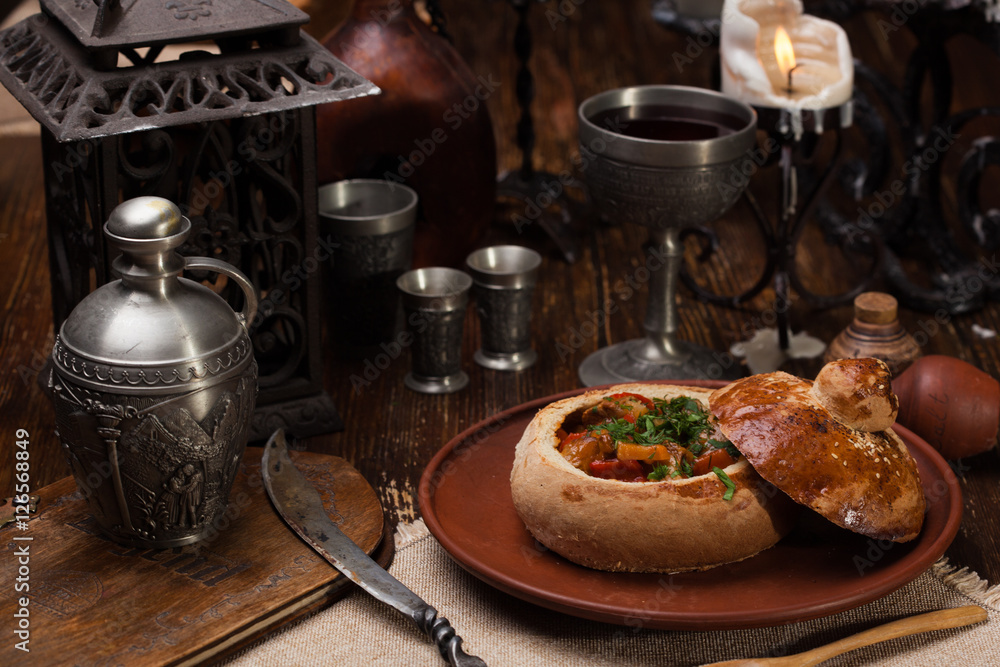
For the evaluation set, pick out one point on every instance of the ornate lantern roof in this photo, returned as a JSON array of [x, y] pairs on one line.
[[63, 65]]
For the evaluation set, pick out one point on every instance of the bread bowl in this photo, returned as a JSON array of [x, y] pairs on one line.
[[670, 525]]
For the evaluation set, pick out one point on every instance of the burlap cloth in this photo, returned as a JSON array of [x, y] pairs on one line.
[[503, 630]]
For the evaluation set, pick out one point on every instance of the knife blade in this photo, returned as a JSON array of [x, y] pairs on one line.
[[301, 507]]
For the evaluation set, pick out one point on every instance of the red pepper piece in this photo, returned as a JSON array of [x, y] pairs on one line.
[[624, 471], [639, 397]]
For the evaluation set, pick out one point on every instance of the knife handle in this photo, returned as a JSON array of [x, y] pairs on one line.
[[447, 640]]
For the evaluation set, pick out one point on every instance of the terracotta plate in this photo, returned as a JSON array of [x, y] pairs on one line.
[[817, 570]]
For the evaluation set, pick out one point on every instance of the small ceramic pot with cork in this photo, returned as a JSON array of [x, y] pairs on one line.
[[948, 402], [875, 332]]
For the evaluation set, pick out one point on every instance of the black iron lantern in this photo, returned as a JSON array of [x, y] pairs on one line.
[[226, 130]]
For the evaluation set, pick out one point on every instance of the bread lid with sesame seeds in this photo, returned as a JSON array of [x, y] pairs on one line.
[[858, 393], [865, 481]]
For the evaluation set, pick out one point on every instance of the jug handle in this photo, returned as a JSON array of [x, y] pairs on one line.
[[249, 291]]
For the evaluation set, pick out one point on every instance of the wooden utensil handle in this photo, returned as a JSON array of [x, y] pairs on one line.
[[934, 620]]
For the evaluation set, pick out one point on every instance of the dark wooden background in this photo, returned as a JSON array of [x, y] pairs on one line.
[[391, 432]]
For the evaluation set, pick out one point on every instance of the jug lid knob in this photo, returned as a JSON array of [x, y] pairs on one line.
[[145, 218]]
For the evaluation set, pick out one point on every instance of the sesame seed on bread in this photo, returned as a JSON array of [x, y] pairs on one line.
[[865, 481]]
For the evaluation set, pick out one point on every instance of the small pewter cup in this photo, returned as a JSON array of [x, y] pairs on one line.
[[435, 301], [370, 225], [504, 283]]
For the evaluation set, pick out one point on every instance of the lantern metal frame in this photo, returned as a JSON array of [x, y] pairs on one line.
[[230, 136]]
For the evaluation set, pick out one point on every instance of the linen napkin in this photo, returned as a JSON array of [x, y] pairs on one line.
[[503, 630]]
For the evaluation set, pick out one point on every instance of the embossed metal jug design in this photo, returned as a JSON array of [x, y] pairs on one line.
[[154, 384]]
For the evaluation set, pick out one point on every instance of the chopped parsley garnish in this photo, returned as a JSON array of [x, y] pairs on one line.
[[730, 487], [679, 420], [675, 436], [622, 430], [684, 418], [726, 445], [660, 472]]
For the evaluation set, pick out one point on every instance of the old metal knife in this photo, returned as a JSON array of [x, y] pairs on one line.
[[300, 505]]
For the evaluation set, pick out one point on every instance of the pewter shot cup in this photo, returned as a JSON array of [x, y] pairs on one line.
[[435, 301], [369, 225], [503, 284]]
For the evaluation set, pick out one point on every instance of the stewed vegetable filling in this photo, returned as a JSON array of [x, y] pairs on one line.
[[632, 438]]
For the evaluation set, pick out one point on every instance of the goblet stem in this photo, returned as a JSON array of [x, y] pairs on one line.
[[658, 355], [662, 156], [660, 345]]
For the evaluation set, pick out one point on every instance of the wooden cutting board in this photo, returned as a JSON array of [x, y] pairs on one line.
[[95, 602]]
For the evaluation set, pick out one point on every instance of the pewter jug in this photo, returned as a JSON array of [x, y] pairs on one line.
[[154, 383]]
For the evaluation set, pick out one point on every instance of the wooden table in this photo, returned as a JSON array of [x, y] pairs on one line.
[[391, 432]]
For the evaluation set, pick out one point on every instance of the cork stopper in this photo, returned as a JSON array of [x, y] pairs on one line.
[[875, 308]]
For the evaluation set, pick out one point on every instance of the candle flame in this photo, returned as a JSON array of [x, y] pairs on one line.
[[783, 51]]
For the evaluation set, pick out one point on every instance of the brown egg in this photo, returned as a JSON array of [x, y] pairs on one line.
[[951, 404]]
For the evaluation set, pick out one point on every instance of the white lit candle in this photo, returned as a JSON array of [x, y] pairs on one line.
[[766, 45]]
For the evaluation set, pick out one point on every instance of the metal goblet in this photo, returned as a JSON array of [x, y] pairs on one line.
[[666, 158]]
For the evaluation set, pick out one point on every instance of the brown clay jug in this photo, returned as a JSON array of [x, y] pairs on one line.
[[429, 129], [951, 404]]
